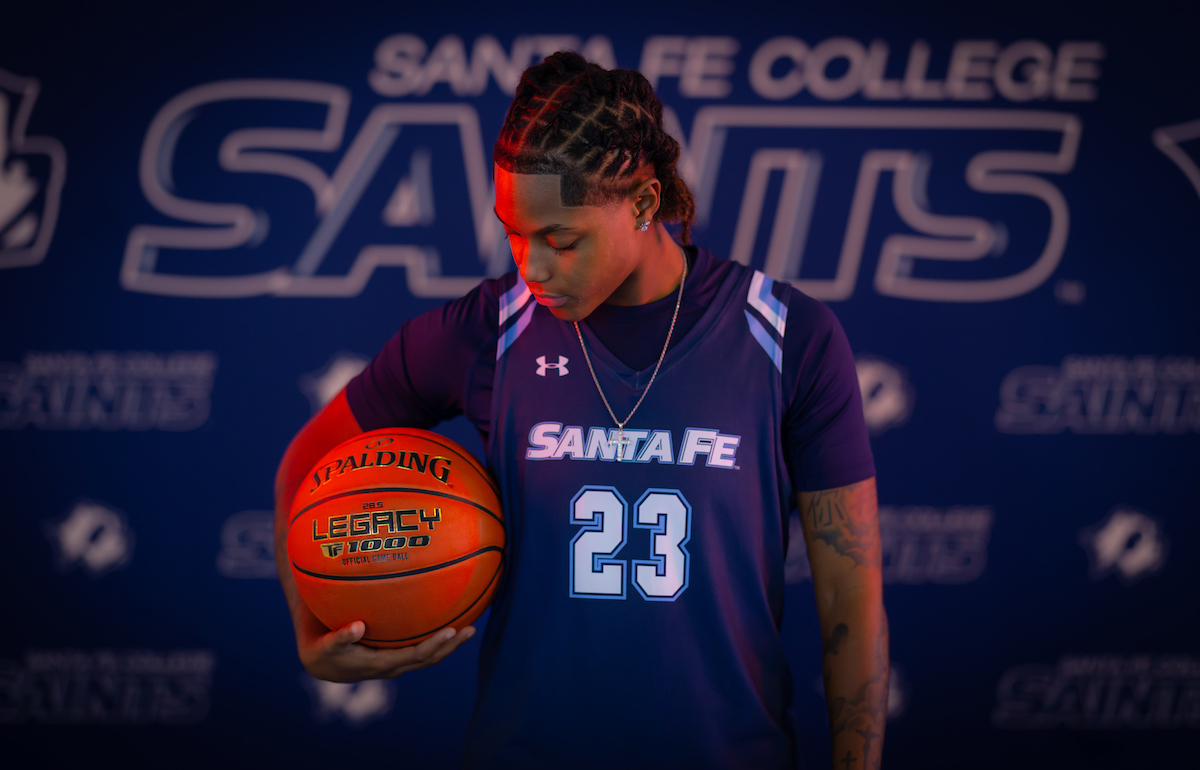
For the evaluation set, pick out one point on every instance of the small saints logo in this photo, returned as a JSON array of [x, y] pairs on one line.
[[887, 395], [1128, 542], [561, 366], [354, 704], [92, 536]]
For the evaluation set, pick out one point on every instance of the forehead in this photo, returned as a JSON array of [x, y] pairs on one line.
[[529, 199]]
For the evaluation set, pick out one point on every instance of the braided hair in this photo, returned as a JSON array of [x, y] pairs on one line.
[[594, 128]]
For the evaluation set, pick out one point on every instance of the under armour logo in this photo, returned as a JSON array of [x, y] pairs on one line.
[[561, 366]]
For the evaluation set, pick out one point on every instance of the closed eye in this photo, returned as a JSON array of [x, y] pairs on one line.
[[508, 235]]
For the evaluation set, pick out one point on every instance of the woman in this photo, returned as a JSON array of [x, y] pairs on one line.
[[651, 413]]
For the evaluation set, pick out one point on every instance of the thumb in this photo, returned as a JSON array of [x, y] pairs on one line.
[[348, 634]]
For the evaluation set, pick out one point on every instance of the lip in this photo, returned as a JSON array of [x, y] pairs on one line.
[[549, 300]]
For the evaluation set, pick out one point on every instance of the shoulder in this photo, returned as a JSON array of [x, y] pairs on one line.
[[487, 297], [807, 317], [795, 315], [816, 352], [476, 312]]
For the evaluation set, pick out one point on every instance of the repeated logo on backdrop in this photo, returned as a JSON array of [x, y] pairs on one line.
[[1128, 543], [1101, 691], [92, 537], [1103, 394], [354, 704], [887, 395], [107, 687], [107, 390]]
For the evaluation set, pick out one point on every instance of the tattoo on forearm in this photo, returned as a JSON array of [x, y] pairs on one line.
[[859, 715], [864, 711], [846, 519], [836, 638]]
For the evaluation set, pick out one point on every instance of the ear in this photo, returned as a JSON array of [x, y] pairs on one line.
[[646, 197]]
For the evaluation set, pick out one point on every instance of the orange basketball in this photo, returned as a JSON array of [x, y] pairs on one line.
[[401, 529]]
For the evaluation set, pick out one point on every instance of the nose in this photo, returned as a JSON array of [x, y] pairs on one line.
[[533, 264]]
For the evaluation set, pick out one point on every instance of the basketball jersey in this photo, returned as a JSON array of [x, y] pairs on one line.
[[638, 621]]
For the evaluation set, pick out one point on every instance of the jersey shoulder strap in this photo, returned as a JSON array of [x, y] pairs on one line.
[[766, 314], [515, 310]]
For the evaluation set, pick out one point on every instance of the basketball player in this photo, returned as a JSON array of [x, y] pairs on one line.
[[651, 413]]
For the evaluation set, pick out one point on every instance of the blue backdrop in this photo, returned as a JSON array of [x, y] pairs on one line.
[[211, 218]]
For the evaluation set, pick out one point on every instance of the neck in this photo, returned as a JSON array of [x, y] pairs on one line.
[[659, 270]]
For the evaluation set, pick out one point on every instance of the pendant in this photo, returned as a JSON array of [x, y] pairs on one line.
[[621, 442]]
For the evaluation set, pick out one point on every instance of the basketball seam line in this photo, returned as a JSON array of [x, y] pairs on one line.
[[456, 617], [401, 574], [417, 490], [470, 459]]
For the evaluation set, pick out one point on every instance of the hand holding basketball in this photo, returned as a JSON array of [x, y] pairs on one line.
[[336, 656]]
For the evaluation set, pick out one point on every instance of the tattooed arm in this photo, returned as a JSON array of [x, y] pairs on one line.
[[841, 530]]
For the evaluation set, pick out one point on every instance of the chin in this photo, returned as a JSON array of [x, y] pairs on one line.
[[572, 311], [568, 314]]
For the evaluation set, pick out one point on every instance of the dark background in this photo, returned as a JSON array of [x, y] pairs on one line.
[[1039, 610]]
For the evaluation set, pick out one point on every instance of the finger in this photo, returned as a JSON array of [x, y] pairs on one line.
[[348, 634], [434, 649], [424, 652], [453, 644]]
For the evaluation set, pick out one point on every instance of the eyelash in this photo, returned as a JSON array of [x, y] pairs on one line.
[[568, 247]]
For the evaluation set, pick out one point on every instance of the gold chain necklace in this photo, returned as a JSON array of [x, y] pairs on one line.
[[622, 442]]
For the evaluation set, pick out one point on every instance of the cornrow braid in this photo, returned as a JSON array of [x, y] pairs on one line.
[[594, 128]]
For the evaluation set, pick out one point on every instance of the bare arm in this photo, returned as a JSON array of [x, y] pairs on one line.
[[335, 654], [841, 530]]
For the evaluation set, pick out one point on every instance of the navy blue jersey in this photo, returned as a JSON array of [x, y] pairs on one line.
[[638, 621], [638, 624]]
